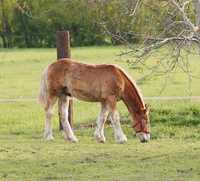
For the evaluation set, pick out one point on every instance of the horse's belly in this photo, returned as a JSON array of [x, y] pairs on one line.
[[86, 91], [86, 96]]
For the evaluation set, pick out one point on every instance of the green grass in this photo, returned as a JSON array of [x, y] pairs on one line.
[[20, 71], [172, 154]]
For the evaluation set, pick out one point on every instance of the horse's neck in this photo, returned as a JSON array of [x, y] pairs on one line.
[[132, 98]]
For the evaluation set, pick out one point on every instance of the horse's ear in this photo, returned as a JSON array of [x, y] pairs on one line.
[[147, 106], [146, 109]]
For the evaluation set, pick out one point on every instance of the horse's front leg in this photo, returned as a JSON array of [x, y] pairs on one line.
[[99, 132], [118, 132], [67, 130]]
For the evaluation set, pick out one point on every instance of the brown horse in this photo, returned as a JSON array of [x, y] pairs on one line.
[[106, 84]]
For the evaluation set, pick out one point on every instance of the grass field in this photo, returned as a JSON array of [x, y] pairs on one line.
[[172, 154]]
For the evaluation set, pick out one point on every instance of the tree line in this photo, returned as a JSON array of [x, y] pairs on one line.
[[28, 23]]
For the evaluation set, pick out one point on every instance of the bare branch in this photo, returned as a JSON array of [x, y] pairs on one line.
[[186, 3], [177, 34], [181, 10], [136, 6]]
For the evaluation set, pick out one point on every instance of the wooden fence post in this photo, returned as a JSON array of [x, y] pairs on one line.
[[63, 51]]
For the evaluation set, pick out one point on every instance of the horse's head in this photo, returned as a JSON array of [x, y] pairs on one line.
[[142, 124]]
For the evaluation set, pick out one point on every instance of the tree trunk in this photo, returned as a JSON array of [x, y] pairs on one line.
[[4, 40], [6, 30], [63, 51], [24, 26]]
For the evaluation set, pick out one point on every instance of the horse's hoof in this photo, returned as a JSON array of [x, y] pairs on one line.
[[121, 140], [49, 138], [73, 140], [100, 139]]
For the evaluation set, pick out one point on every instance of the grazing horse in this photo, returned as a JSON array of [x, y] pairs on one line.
[[106, 84]]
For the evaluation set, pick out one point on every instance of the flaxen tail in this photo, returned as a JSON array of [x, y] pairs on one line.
[[42, 98]]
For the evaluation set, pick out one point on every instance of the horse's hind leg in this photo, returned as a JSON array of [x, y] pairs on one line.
[[99, 132], [48, 134], [63, 108]]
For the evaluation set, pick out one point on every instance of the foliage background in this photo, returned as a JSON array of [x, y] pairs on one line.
[[26, 23]]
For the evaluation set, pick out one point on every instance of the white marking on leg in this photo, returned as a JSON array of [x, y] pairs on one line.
[[118, 132], [99, 132], [68, 132], [48, 134]]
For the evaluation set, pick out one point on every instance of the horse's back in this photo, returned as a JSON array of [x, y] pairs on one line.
[[85, 81]]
